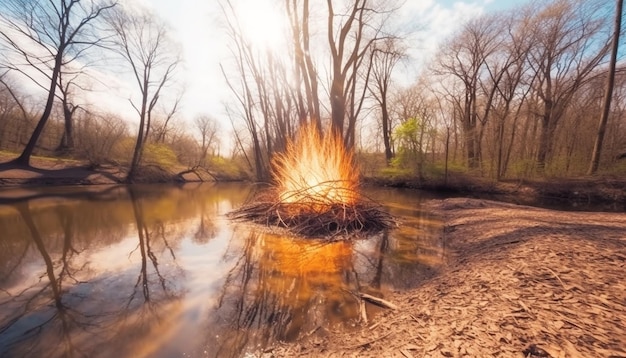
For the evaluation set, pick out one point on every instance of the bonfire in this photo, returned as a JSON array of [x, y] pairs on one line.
[[316, 191]]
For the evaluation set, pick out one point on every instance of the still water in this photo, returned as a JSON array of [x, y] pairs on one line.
[[159, 271]]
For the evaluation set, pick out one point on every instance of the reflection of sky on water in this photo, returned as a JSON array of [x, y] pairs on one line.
[[167, 274]]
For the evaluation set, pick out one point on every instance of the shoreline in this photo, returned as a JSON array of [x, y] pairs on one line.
[[589, 193], [521, 281]]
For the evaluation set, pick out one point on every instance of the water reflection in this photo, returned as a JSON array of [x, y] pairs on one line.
[[278, 288], [158, 271]]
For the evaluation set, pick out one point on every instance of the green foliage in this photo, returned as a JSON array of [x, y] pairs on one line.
[[616, 168], [438, 170], [407, 136], [227, 169], [159, 154], [393, 172]]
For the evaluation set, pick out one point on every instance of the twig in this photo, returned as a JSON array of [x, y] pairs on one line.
[[378, 301], [558, 278], [315, 216]]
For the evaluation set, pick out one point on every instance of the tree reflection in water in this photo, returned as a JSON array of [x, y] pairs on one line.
[[46, 308], [74, 310], [153, 302], [283, 288], [153, 271]]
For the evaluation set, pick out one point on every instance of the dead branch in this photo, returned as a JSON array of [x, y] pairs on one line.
[[315, 215]]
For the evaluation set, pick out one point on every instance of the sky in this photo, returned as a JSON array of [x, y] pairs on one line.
[[197, 25]]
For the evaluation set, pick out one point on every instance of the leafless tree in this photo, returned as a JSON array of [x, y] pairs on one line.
[[253, 93], [351, 32], [67, 83], [568, 44], [304, 68], [142, 40], [384, 57], [597, 149], [39, 38], [207, 128], [502, 88], [14, 117], [464, 58], [161, 131], [97, 135]]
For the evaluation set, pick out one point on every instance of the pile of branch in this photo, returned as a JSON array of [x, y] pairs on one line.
[[315, 218]]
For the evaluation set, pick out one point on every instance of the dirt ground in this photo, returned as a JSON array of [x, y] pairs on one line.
[[521, 282]]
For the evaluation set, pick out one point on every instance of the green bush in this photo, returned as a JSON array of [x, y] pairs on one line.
[[159, 154], [393, 172], [227, 169]]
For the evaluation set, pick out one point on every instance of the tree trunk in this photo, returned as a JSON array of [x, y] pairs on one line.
[[67, 140], [547, 133], [139, 143], [24, 158], [597, 148], [386, 130], [337, 107]]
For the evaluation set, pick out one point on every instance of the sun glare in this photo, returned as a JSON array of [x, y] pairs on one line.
[[262, 23]]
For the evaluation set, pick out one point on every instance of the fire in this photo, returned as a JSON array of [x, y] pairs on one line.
[[316, 172], [316, 191]]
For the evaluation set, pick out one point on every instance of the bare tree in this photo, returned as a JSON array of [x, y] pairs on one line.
[[141, 39], [14, 117], [303, 62], [253, 93], [500, 91], [207, 128], [464, 58], [597, 149], [162, 130], [350, 33], [69, 108], [97, 135], [568, 44], [46, 36], [384, 57]]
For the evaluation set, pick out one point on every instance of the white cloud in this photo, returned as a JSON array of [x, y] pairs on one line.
[[434, 22]]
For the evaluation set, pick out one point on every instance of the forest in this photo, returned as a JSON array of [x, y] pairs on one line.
[[534, 91]]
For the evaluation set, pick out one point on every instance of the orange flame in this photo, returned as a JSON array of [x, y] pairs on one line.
[[316, 172]]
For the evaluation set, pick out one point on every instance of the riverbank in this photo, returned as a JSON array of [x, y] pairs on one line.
[[601, 193], [520, 282], [590, 193], [55, 172]]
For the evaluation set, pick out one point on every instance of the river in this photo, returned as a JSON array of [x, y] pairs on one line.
[[160, 271]]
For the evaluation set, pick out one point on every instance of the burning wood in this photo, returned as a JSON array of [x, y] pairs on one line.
[[316, 192]]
